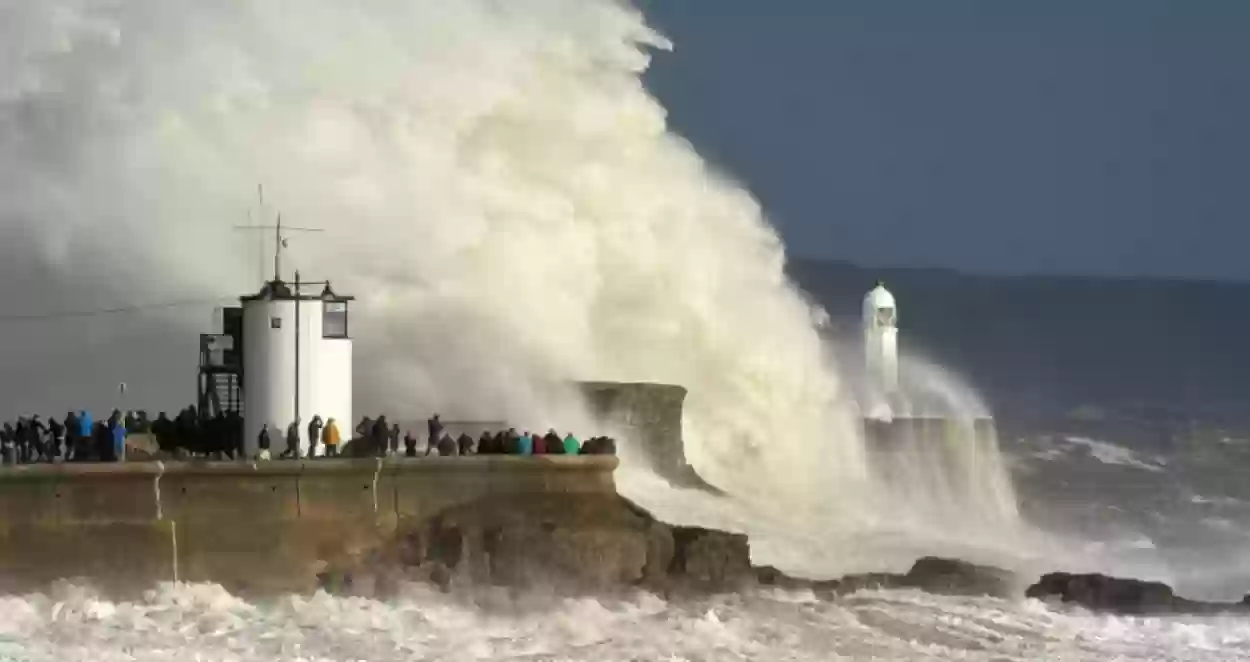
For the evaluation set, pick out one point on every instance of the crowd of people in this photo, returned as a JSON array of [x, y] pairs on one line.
[[381, 438], [77, 437], [80, 438]]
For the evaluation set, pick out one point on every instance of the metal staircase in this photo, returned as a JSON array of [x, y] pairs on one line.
[[219, 387], [225, 394]]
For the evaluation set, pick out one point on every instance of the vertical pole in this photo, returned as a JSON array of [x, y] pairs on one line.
[[297, 344], [260, 237], [277, 249]]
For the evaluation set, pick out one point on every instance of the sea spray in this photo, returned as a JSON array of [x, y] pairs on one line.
[[495, 185], [494, 182]]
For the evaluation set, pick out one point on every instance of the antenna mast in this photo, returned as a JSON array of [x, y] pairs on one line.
[[260, 238], [279, 240]]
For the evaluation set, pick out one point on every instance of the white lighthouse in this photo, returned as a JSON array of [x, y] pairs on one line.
[[297, 362], [297, 356], [880, 318]]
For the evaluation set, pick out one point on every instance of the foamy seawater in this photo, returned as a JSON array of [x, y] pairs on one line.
[[205, 623]]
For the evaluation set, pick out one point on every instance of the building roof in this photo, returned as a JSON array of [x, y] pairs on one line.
[[278, 290]]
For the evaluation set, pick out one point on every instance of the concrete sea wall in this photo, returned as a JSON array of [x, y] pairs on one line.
[[649, 416], [277, 526]]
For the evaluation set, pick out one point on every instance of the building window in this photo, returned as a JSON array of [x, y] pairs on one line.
[[275, 322], [334, 320], [885, 317]]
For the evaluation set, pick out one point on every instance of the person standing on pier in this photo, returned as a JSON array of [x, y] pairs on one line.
[[571, 445], [8, 448], [56, 437], [86, 432], [262, 442], [37, 432], [436, 432], [331, 437], [314, 433], [380, 434], [292, 441], [117, 431], [20, 445], [71, 435]]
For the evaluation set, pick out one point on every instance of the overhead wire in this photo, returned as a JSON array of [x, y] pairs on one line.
[[32, 317]]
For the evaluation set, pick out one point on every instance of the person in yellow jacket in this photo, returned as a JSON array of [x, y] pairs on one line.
[[330, 437]]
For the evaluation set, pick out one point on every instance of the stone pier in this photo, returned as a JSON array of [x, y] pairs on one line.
[[271, 526]]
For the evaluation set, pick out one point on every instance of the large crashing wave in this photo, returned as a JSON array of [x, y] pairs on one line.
[[495, 185]]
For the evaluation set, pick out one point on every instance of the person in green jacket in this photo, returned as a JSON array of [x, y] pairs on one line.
[[571, 445]]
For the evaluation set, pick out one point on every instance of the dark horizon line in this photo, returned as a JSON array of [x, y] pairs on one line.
[[792, 258]]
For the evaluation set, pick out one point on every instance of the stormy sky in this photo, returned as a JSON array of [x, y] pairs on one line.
[[1106, 138]]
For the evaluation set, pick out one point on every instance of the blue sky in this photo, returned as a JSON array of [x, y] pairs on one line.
[[1105, 137]]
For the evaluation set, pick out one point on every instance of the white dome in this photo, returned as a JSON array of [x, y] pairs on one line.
[[878, 298]]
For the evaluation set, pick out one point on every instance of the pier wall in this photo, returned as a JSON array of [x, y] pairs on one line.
[[267, 526], [649, 417]]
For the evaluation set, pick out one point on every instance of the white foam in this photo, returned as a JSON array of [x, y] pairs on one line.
[[1109, 453], [204, 623], [1216, 500]]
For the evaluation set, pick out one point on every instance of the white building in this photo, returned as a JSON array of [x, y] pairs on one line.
[[880, 321], [297, 363]]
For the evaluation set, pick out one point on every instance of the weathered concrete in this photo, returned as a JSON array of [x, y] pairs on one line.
[[649, 416], [268, 526]]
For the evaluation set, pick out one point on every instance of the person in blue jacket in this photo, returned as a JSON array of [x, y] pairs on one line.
[[119, 442], [85, 424], [117, 430], [86, 427], [525, 446]]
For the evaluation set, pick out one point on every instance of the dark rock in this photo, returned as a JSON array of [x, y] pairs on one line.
[[660, 550], [955, 577], [767, 575], [930, 574], [569, 543], [1122, 596], [869, 581], [711, 559], [599, 543]]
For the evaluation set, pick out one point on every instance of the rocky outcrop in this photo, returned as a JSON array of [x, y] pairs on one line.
[[599, 543], [954, 577], [929, 574], [575, 543], [1123, 596], [706, 559]]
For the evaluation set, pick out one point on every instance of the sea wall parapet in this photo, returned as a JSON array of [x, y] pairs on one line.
[[264, 525], [649, 417]]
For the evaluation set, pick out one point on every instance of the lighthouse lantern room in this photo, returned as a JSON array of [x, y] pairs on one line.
[[880, 321]]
